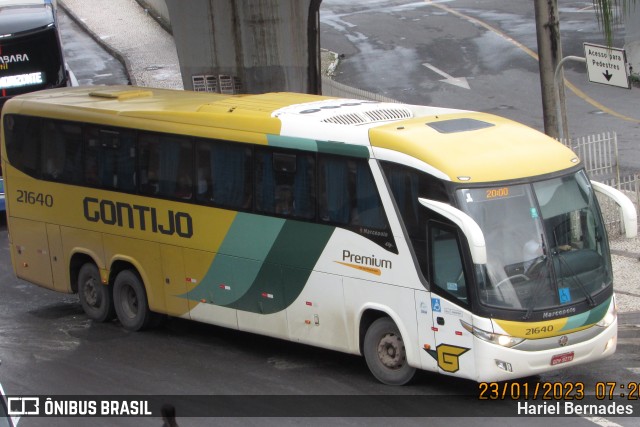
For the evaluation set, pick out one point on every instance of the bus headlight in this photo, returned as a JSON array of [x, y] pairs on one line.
[[611, 315], [503, 340]]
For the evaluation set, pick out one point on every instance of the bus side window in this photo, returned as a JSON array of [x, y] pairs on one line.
[[230, 175], [368, 207], [348, 193], [23, 138], [203, 172], [110, 158], [447, 268], [335, 200], [285, 184], [165, 165], [61, 152], [407, 186]]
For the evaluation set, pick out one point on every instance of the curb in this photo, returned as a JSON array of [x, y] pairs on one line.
[[629, 318], [626, 254], [155, 15], [116, 54]]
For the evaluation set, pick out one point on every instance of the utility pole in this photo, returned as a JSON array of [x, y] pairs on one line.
[[550, 54]]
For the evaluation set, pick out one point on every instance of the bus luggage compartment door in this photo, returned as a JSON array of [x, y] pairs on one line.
[[30, 251], [59, 270]]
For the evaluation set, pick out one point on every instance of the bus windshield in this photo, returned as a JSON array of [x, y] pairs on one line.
[[30, 57], [546, 243]]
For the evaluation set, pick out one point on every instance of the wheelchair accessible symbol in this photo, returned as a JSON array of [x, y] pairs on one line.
[[435, 304], [565, 295]]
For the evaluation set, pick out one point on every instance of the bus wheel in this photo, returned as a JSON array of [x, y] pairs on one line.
[[385, 353], [95, 298], [130, 300]]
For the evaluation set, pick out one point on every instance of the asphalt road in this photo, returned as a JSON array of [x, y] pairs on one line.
[[420, 51], [49, 347]]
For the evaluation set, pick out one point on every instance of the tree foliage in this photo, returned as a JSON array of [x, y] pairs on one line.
[[609, 15]]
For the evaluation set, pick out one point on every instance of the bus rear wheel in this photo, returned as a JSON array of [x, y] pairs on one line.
[[130, 300], [385, 353], [96, 299]]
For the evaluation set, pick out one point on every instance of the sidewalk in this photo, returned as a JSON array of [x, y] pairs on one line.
[[135, 38]]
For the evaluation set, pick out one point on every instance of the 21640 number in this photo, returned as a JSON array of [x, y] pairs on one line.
[[33, 198]]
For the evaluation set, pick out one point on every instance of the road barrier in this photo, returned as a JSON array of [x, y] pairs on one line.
[[333, 88], [599, 154]]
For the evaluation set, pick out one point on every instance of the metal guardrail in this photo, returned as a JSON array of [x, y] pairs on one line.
[[629, 185], [599, 154], [333, 88]]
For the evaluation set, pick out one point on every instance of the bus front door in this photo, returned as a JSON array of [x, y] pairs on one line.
[[449, 302]]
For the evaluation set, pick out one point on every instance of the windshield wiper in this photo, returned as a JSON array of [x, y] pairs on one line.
[[539, 279], [577, 280]]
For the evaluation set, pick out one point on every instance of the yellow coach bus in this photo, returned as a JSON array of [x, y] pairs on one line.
[[422, 238]]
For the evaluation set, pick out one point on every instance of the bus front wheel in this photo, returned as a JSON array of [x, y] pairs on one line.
[[96, 299], [385, 353], [130, 300]]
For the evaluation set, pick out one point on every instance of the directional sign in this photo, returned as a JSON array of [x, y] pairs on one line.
[[606, 65]]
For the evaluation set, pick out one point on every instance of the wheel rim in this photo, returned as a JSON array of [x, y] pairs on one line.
[[91, 294], [391, 351], [129, 302]]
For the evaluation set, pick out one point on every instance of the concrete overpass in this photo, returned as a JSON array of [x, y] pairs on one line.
[[244, 46]]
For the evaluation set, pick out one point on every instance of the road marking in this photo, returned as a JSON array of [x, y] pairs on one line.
[[602, 422], [484, 25], [534, 55], [634, 370], [456, 81]]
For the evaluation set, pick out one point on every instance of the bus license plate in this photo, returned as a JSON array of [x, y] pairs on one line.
[[561, 358]]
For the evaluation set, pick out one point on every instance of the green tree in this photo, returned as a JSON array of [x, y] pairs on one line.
[[609, 16]]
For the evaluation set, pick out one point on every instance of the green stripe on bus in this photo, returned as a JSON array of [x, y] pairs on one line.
[[341, 149], [597, 314], [329, 147], [287, 268], [588, 318], [239, 259], [292, 143], [251, 236]]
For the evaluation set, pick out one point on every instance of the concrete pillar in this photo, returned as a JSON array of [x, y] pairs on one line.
[[550, 54], [632, 37], [247, 46]]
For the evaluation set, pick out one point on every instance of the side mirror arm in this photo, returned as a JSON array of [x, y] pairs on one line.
[[467, 225], [628, 213]]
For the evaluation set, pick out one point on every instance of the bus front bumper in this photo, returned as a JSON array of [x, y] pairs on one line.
[[497, 363]]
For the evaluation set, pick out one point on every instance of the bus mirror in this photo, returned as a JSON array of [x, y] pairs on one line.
[[628, 213], [467, 225]]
